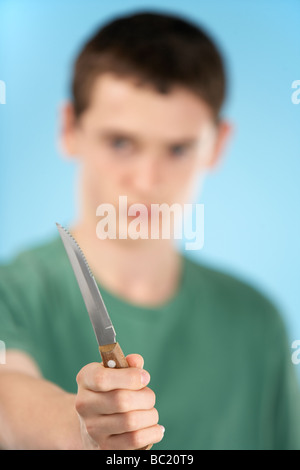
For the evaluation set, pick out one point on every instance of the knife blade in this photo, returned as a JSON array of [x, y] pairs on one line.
[[110, 350]]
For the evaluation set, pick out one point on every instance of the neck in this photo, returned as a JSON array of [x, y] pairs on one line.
[[146, 272]]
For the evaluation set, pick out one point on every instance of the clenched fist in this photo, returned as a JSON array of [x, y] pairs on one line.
[[116, 408]]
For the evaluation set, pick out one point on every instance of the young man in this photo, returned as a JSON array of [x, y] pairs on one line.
[[144, 122]]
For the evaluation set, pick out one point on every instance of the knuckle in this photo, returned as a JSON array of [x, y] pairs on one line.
[[130, 421], [155, 416], [151, 397], [79, 377], [136, 440], [121, 401], [101, 379], [80, 404]]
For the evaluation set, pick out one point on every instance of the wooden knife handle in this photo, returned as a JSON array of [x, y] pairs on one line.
[[113, 357]]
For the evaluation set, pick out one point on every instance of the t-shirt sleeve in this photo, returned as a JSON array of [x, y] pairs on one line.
[[16, 326], [286, 390], [13, 334]]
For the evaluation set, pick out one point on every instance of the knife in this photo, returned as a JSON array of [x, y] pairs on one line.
[[110, 350]]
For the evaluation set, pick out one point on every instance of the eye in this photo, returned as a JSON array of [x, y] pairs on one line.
[[178, 150], [120, 143]]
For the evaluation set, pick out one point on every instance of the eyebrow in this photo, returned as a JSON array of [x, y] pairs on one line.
[[111, 133]]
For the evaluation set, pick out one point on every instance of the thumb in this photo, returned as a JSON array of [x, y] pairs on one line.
[[135, 360]]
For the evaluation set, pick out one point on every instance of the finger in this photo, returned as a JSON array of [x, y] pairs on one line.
[[136, 439], [120, 423], [135, 360], [122, 401], [97, 378], [90, 404]]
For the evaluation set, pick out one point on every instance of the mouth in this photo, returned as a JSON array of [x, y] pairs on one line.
[[141, 213]]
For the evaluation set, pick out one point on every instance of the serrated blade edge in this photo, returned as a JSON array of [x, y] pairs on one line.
[[101, 322]]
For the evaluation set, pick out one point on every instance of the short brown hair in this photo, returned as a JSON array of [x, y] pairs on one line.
[[157, 49]]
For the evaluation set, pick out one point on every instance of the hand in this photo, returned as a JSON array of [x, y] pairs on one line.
[[115, 408]]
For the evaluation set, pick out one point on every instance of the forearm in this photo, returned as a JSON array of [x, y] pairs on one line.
[[36, 414]]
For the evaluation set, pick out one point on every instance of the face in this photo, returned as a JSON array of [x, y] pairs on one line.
[[136, 142]]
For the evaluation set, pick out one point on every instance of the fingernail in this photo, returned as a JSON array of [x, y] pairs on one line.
[[145, 377], [162, 428]]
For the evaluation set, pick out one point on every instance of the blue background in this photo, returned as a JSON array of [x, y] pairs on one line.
[[251, 202]]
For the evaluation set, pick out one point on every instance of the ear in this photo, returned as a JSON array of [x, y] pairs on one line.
[[223, 134], [67, 138]]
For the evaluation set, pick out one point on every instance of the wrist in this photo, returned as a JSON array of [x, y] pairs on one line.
[[70, 438]]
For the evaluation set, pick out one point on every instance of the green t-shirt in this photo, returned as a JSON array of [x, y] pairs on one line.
[[217, 352]]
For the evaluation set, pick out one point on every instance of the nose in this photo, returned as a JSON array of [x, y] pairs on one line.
[[147, 173]]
